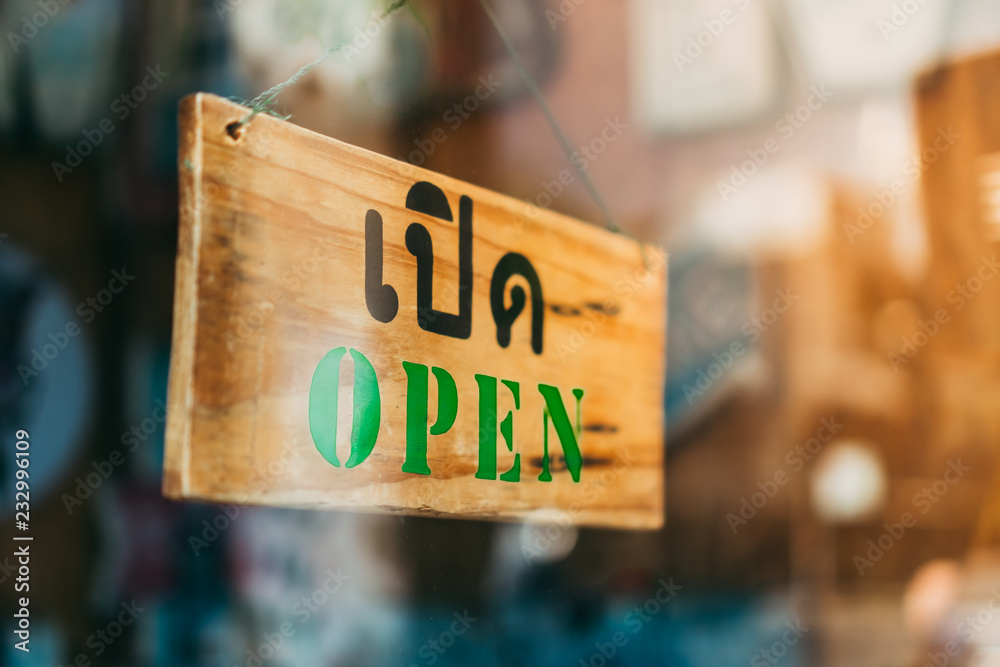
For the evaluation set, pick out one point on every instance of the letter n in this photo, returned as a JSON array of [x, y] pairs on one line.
[[416, 413], [569, 437], [323, 407], [488, 429]]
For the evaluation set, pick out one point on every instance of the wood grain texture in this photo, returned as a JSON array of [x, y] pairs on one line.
[[271, 277]]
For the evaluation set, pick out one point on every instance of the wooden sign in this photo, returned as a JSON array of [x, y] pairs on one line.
[[353, 332]]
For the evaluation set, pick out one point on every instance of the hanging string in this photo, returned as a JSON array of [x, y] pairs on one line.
[[262, 103], [529, 81]]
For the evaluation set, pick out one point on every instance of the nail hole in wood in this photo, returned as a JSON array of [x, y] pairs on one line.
[[235, 130]]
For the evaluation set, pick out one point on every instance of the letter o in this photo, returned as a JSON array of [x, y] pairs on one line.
[[136, 92], [979, 284], [451, 639], [323, 407], [715, 367], [930, 155], [55, 351], [708, 35], [917, 339], [944, 487], [548, 200], [261, 649], [888, 544], [114, 624], [763, 500]]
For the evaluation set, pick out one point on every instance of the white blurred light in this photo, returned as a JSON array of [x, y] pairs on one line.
[[848, 483], [548, 536], [930, 597], [867, 45], [777, 210]]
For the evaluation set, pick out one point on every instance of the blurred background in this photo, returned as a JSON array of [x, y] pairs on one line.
[[826, 179]]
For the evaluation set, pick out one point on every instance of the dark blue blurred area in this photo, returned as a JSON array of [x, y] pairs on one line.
[[710, 299]]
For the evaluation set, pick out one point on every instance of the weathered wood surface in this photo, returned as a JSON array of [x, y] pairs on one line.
[[271, 276]]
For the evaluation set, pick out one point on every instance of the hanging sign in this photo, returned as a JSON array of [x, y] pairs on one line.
[[356, 333]]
